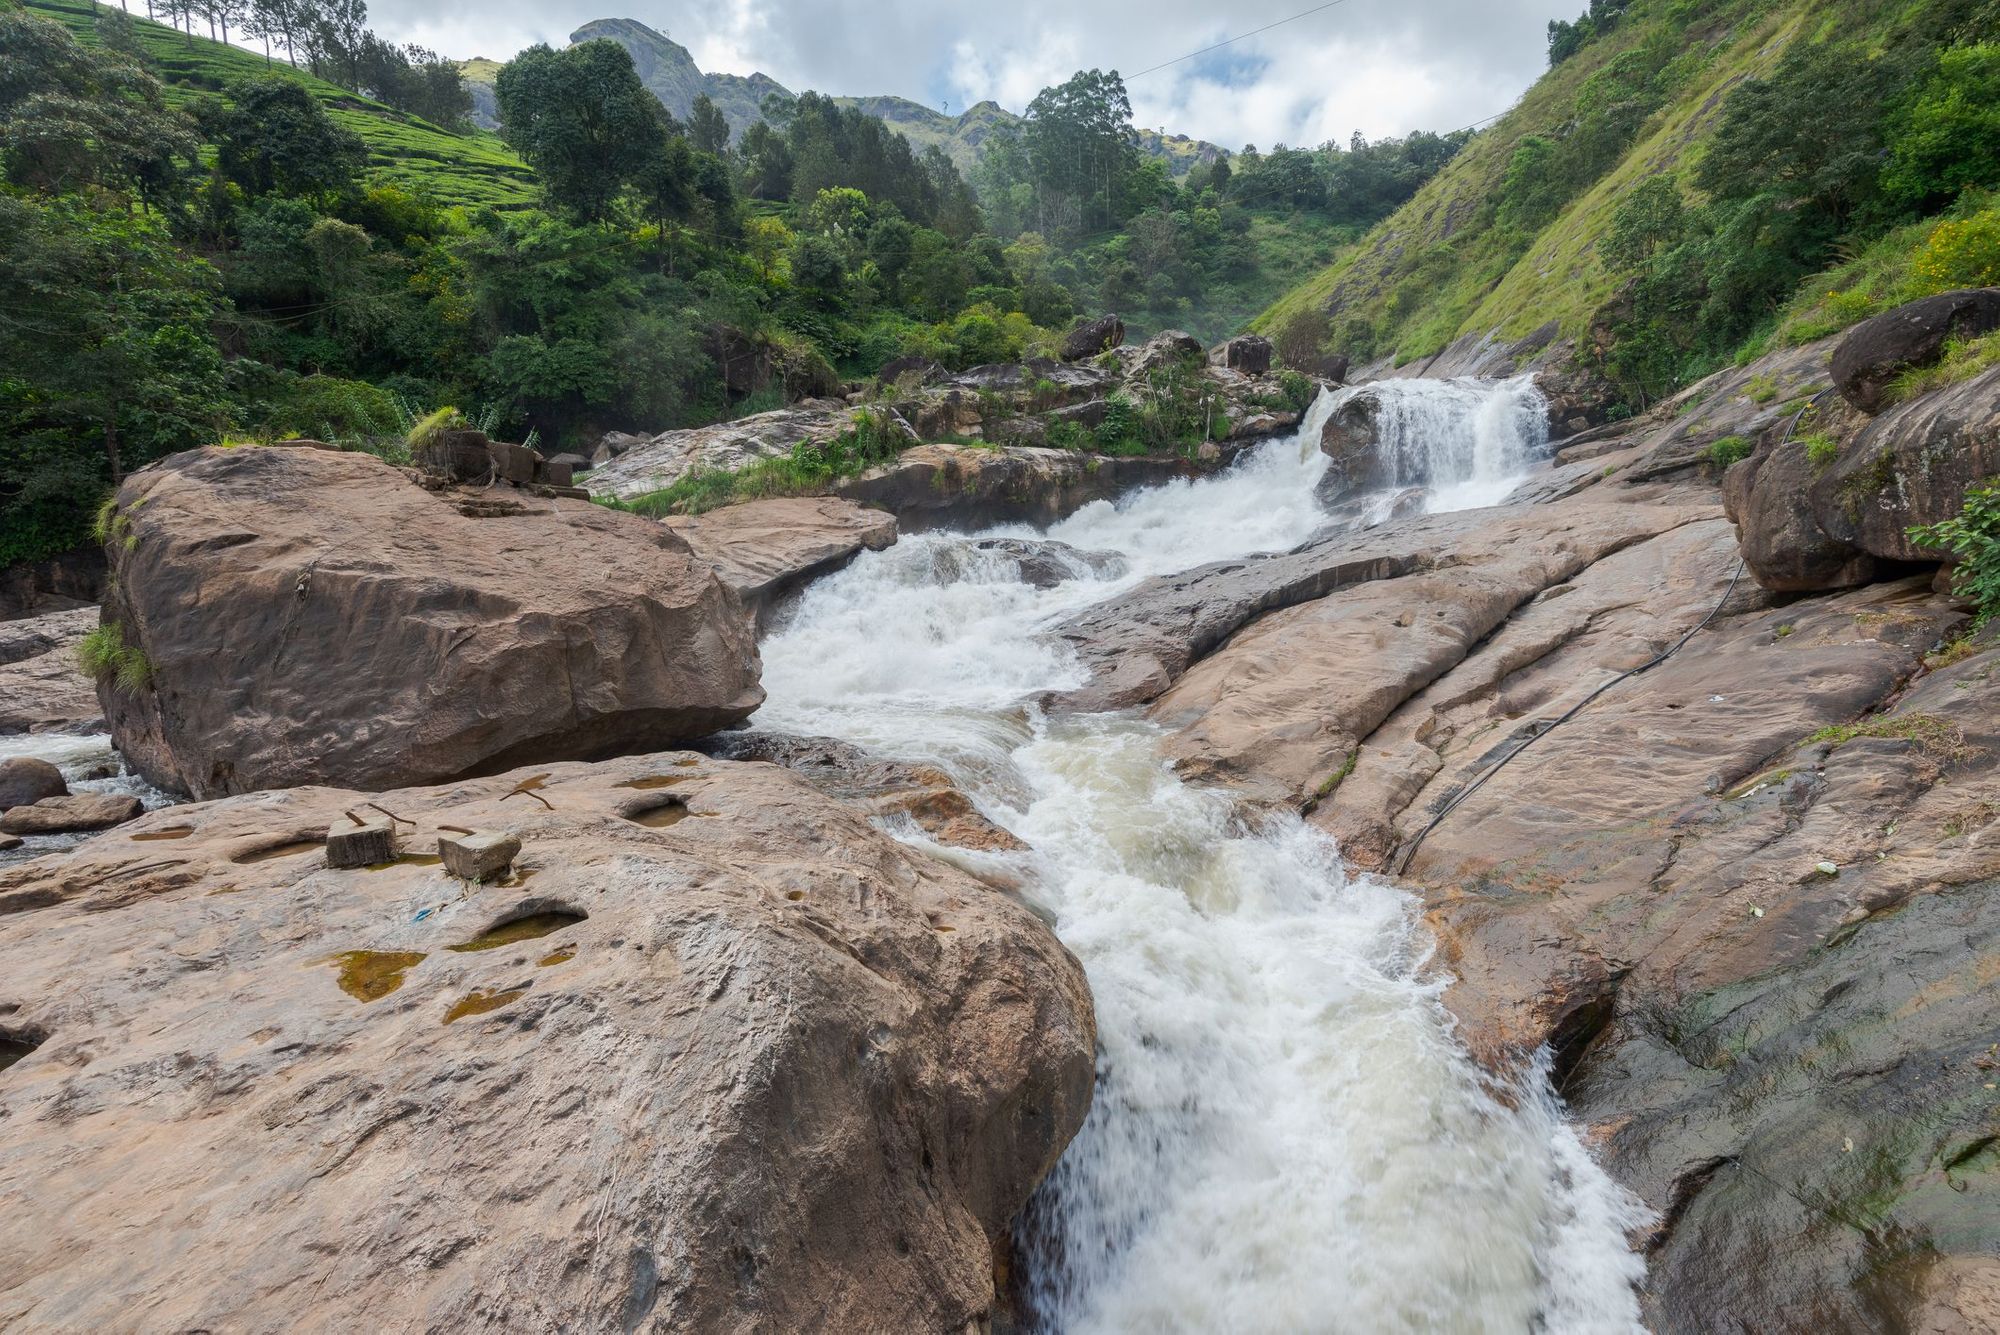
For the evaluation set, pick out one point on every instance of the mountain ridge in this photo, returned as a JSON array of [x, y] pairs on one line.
[[669, 71]]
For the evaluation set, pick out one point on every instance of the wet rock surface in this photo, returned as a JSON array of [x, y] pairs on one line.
[[309, 616], [963, 486], [754, 1066]]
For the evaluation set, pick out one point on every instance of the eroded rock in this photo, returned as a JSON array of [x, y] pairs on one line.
[[765, 549], [760, 1067], [313, 617], [42, 686]]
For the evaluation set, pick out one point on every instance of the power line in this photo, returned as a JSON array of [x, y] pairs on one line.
[[1230, 41]]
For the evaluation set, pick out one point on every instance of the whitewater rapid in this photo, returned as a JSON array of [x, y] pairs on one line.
[[1285, 1135]]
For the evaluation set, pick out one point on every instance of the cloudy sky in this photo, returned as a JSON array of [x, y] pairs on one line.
[[1380, 66]]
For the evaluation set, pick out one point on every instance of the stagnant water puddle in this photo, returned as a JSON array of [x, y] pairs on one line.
[[1285, 1134]]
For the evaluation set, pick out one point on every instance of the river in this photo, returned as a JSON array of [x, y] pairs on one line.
[[1285, 1135]]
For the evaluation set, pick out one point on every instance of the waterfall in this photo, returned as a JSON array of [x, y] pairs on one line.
[[1285, 1134], [1467, 441]]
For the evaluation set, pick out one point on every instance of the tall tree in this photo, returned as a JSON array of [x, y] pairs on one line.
[[72, 117], [583, 121], [275, 137], [707, 130], [1081, 147]]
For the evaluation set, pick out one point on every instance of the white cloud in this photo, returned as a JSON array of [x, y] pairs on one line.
[[1380, 66]]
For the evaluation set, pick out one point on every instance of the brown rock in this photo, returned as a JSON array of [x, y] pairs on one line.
[[42, 686], [71, 812], [314, 618], [968, 487], [1911, 466], [1808, 526], [886, 787], [765, 549], [769, 1068], [1876, 351], [514, 463], [458, 455], [1768, 499], [26, 780]]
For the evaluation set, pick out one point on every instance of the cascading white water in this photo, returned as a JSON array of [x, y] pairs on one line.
[[1469, 441], [1285, 1135]]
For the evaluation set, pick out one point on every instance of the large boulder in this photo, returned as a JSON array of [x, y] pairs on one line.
[[1911, 466], [1093, 338], [734, 1060], [1167, 350], [1808, 524], [1878, 350], [26, 780], [1768, 497], [304, 617], [1248, 353], [1351, 438]]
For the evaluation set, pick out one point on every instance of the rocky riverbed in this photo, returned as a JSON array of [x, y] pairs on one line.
[[1668, 788]]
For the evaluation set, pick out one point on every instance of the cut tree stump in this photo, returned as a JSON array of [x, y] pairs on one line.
[[363, 845], [482, 855]]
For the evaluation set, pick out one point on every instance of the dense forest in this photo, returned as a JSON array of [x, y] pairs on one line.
[[199, 243]]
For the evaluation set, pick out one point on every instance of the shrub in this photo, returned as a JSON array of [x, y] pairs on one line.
[[1298, 389], [1821, 449], [1963, 358], [1973, 539], [104, 655], [426, 428], [1963, 252], [1729, 450]]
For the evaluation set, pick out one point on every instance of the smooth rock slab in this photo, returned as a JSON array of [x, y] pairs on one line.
[[785, 1074], [73, 811]]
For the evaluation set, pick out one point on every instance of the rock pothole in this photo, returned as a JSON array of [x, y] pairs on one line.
[[526, 927]]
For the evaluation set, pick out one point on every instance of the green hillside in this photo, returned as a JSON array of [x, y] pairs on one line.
[[454, 169], [1496, 245]]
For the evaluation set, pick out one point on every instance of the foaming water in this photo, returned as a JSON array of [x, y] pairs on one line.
[[1285, 1135], [89, 764], [1468, 441]]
